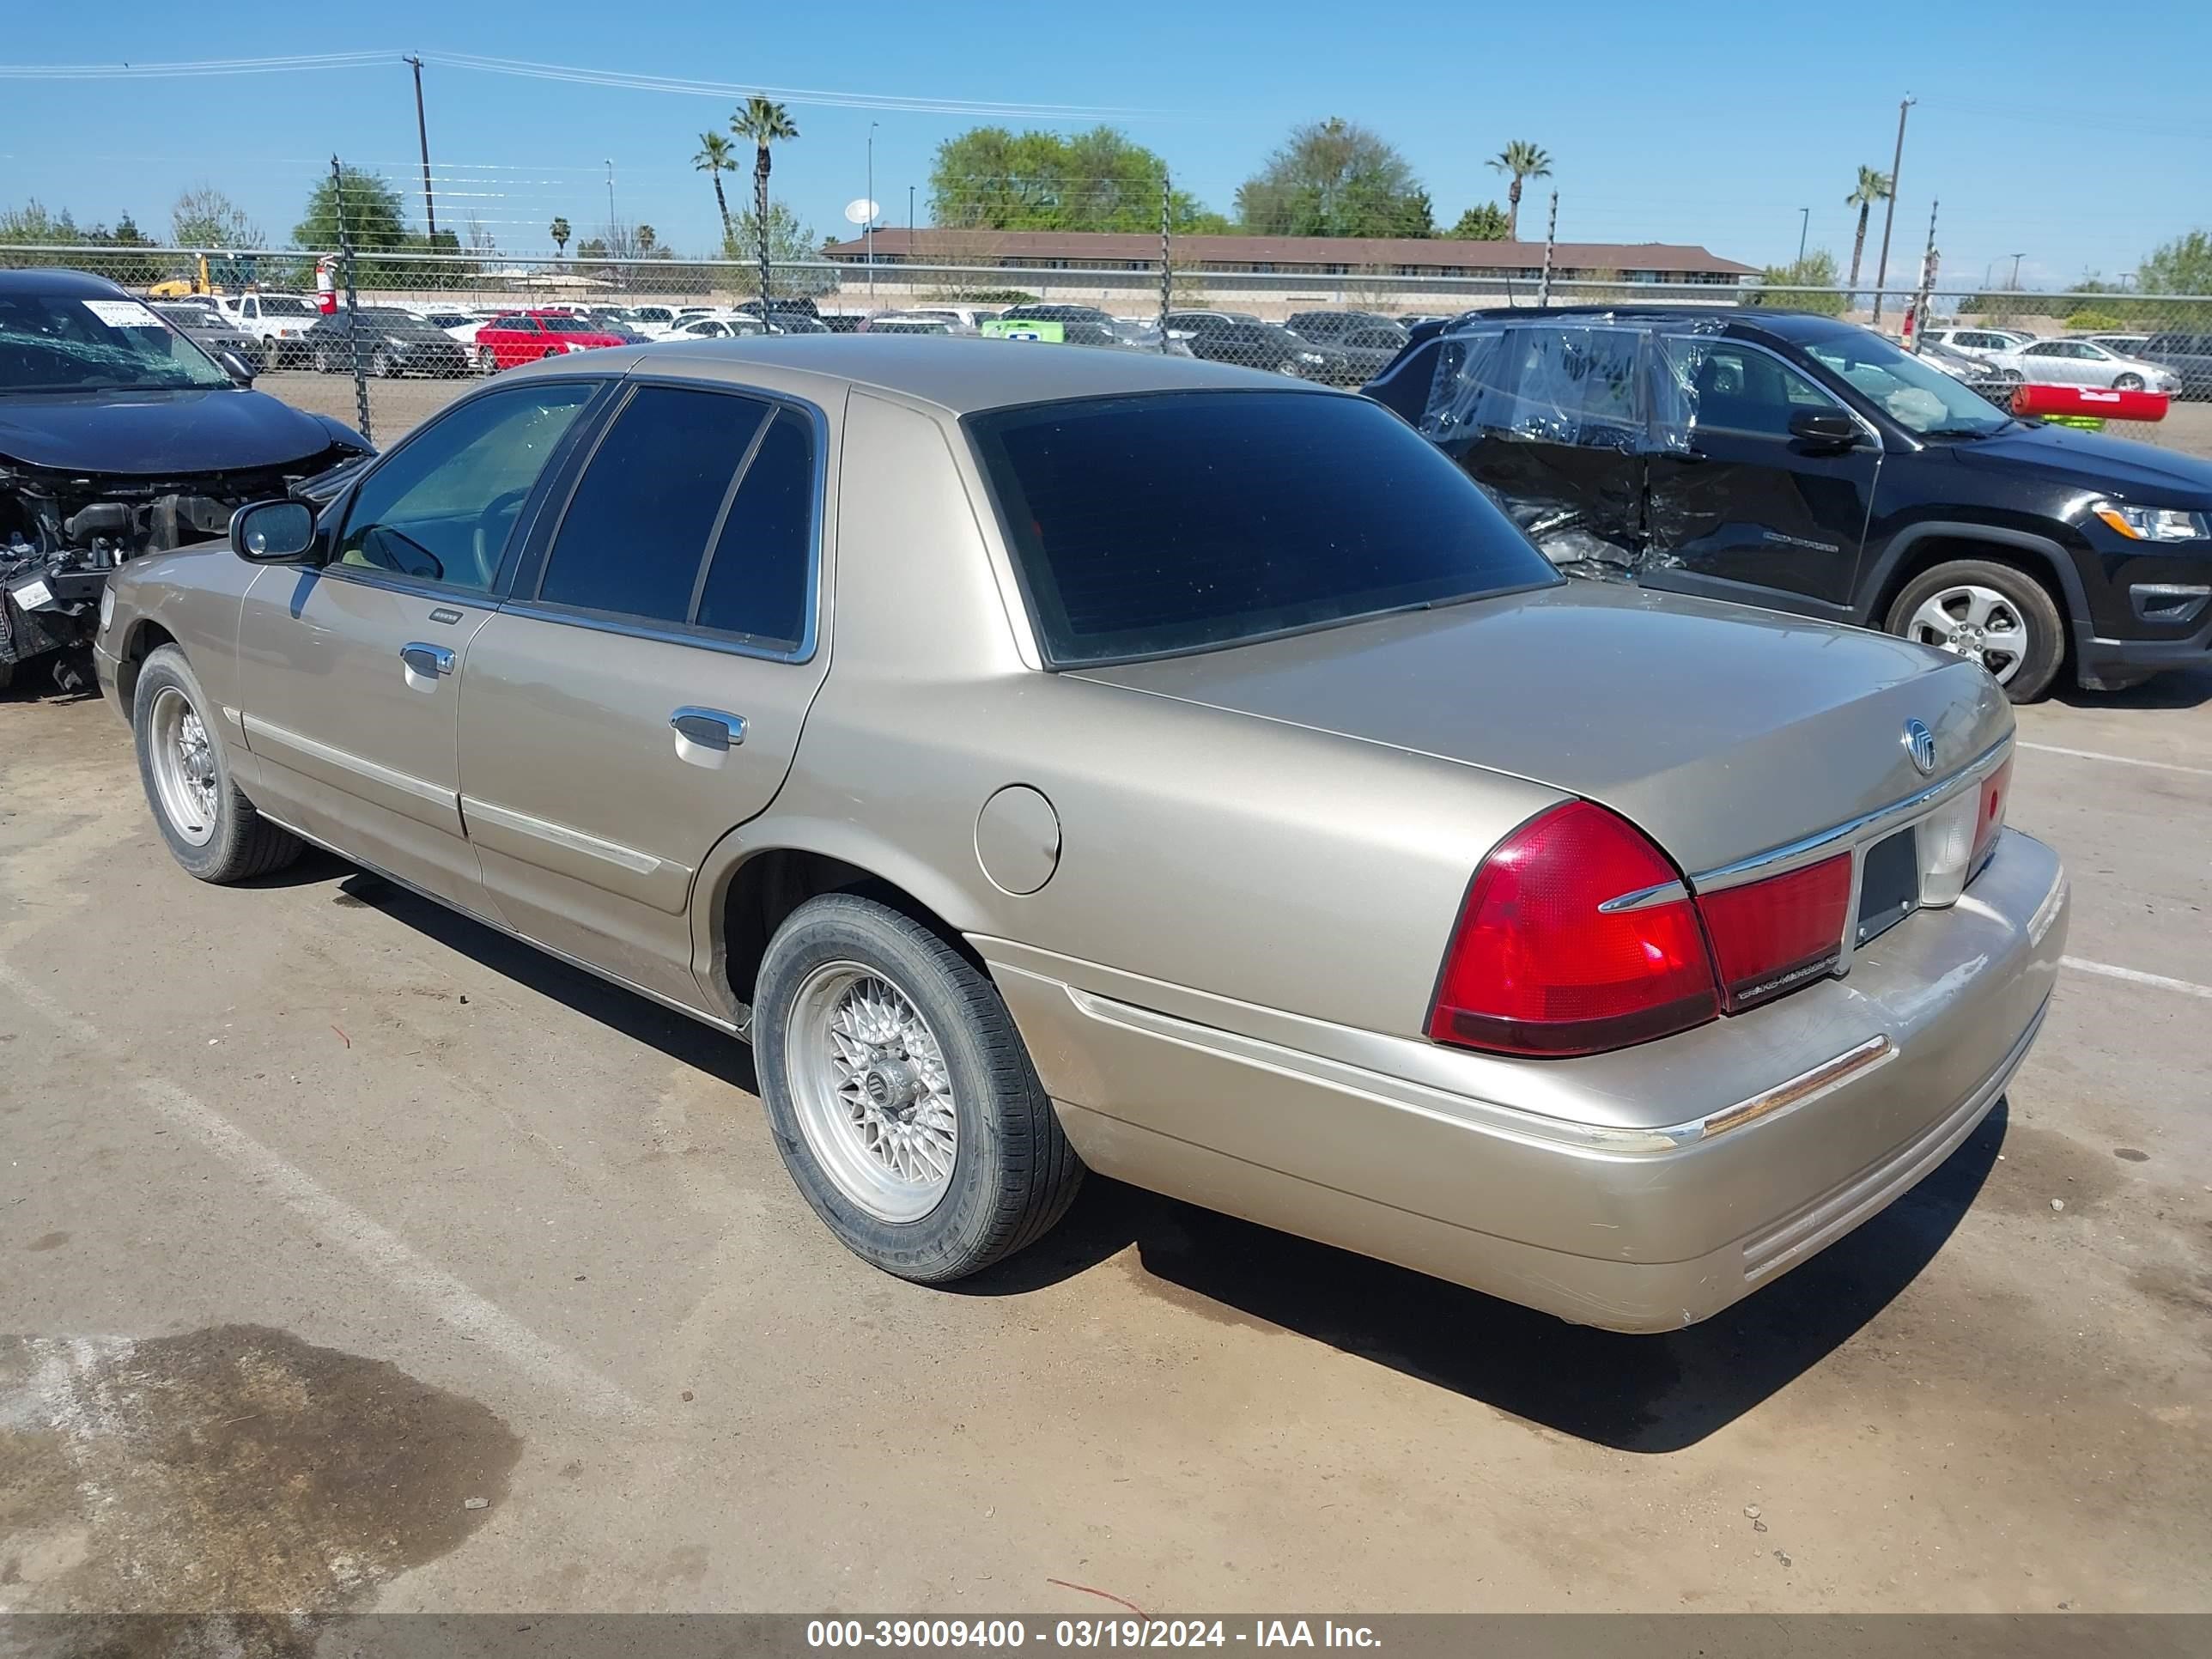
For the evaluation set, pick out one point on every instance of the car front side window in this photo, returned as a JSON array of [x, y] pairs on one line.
[[1734, 388], [440, 507]]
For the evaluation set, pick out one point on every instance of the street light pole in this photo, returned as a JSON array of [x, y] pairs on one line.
[[1889, 212], [1804, 224], [2015, 272], [873, 125], [610, 198], [910, 221]]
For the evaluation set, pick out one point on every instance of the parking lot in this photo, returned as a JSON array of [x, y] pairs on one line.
[[358, 1257]]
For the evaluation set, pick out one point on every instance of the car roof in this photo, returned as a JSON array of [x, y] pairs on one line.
[[1787, 324], [70, 284], [959, 375]]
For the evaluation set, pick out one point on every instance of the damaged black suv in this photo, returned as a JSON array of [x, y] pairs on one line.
[[120, 436], [1807, 464]]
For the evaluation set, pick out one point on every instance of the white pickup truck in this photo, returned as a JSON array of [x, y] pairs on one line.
[[279, 321]]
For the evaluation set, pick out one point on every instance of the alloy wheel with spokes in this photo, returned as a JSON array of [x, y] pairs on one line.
[[183, 763], [874, 1099], [1969, 620]]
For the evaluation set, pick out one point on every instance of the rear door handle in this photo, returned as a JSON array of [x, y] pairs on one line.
[[704, 736], [427, 662]]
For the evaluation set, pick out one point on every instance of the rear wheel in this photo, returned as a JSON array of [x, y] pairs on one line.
[[2002, 618], [901, 1096], [212, 829], [487, 360]]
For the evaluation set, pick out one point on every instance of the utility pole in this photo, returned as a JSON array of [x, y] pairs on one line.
[[2015, 272], [910, 221], [870, 232], [1889, 212], [422, 136], [1804, 224]]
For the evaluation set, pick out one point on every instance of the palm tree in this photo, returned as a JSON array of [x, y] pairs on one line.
[[1873, 187], [717, 156], [763, 123], [558, 230], [1523, 161]]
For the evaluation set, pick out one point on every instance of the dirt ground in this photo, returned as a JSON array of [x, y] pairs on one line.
[[356, 1257]]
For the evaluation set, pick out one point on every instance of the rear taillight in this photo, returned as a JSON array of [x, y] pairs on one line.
[[1988, 815], [1538, 966], [1771, 935]]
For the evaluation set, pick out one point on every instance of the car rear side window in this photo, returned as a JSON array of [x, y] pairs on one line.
[[636, 530], [1178, 521], [756, 584]]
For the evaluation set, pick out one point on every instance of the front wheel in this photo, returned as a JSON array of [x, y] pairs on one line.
[[2127, 383], [212, 829], [2002, 618], [901, 1096]]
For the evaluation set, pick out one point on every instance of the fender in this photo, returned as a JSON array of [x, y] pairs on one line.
[[840, 839], [2045, 552]]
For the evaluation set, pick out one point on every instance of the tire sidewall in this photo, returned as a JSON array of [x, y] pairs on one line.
[[2045, 622], [167, 668], [943, 1243]]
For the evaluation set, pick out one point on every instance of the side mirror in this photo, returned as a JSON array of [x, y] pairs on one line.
[[273, 533], [236, 367], [1825, 429]]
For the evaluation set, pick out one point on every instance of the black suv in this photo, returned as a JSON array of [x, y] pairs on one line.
[[1808, 465]]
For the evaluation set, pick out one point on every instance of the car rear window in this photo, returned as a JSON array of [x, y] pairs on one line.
[[1180, 521]]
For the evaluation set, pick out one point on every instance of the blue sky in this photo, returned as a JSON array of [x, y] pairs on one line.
[[1713, 124]]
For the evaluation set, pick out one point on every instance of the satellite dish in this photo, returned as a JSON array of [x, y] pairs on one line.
[[861, 212]]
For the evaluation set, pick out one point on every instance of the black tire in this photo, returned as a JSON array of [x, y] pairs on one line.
[[2044, 650], [1013, 1173], [2127, 383], [242, 843]]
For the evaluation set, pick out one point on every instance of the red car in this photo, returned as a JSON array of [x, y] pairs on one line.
[[524, 337]]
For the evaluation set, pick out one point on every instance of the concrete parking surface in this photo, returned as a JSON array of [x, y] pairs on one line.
[[352, 1257]]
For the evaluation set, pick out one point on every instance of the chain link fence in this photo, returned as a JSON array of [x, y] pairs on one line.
[[380, 338]]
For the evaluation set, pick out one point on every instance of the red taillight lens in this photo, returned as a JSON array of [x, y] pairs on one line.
[[1991, 818], [1771, 935], [1536, 968]]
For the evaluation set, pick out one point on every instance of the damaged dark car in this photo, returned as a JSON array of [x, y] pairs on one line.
[[119, 436], [1803, 464]]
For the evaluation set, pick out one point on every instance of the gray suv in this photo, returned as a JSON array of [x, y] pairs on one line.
[[2189, 355]]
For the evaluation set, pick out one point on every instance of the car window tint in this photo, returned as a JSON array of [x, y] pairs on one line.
[[440, 507], [636, 528], [1177, 521], [757, 582]]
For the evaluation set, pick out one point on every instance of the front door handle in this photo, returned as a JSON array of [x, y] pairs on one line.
[[425, 662], [709, 728]]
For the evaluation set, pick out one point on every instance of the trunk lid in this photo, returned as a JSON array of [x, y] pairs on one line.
[[1719, 730]]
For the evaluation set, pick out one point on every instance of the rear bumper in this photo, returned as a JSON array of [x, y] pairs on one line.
[[1612, 1205]]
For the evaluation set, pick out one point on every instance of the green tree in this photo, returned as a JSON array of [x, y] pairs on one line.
[[2183, 266], [995, 179], [204, 217], [31, 225], [1805, 284], [790, 242], [761, 123], [1334, 177], [1523, 160], [1872, 187], [1486, 223], [560, 231], [717, 156]]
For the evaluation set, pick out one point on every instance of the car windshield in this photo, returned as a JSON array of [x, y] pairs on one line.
[[1174, 522], [1917, 396], [285, 304], [450, 319], [60, 342], [389, 320], [566, 325]]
